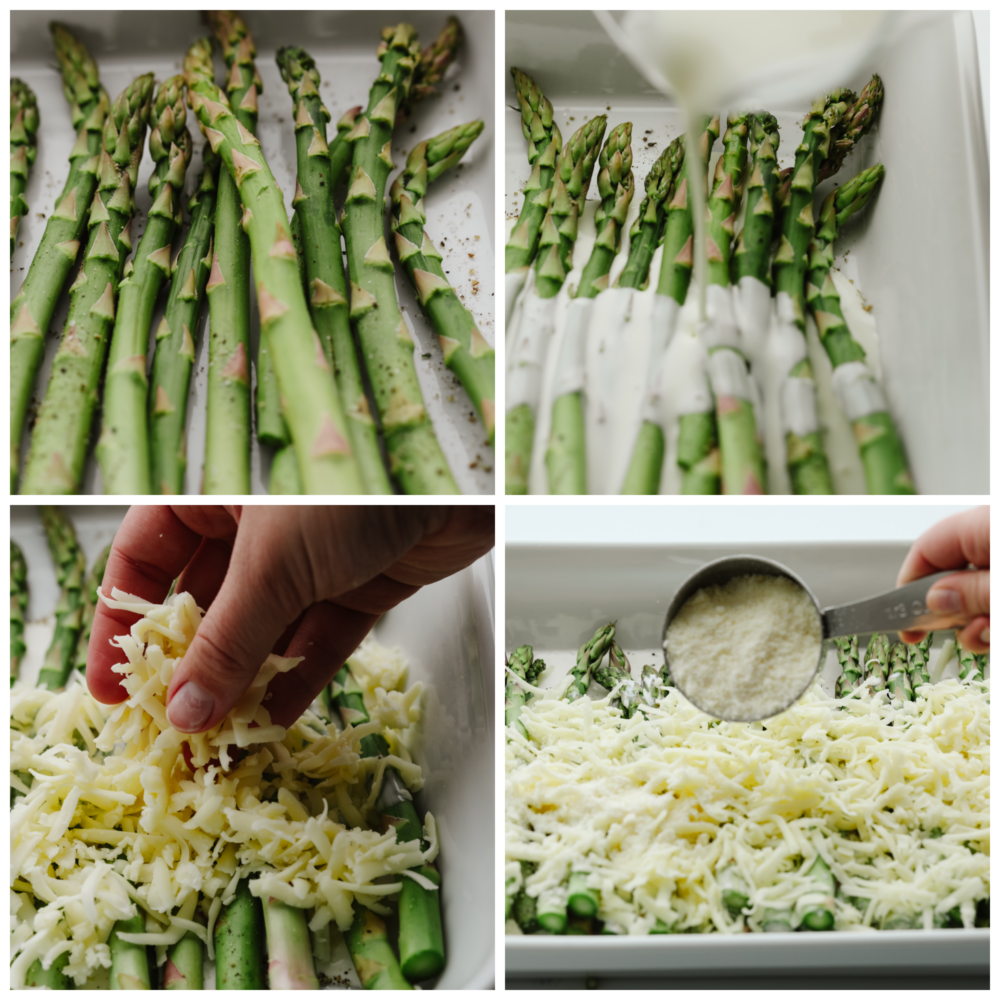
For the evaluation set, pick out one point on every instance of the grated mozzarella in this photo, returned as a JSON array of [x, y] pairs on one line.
[[120, 811], [893, 796]]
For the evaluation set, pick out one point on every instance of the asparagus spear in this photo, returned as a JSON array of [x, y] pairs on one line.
[[582, 901], [32, 309], [23, 149], [920, 660], [898, 683], [61, 435], [739, 441], [466, 353], [859, 395], [525, 908], [18, 608], [698, 453], [523, 664], [856, 122], [970, 666], [817, 915], [185, 964], [239, 942], [433, 64], [123, 448], [415, 457], [227, 432], [94, 579], [735, 891], [565, 458], [550, 910], [324, 263], [372, 954], [175, 336], [70, 571], [544, 144], [52, 978], [129, 962], [574, 166], [851, 671], [589, 656], [876, 663], [313, 409], [805, 456], [289, 951]]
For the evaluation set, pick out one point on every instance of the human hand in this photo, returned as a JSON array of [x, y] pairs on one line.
[[306, 581], [955, 543]]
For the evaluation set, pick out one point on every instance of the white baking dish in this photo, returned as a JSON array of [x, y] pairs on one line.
[[460, 206], [923, 272], [446, 631], [555, 597]]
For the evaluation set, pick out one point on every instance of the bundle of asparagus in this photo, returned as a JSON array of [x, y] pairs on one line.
[[885, 670], [351, 417]]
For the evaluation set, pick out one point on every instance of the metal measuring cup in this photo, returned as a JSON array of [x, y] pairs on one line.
[[902, 609]]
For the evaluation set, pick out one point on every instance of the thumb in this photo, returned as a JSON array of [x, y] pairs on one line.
[[964, 594], [235, 637]]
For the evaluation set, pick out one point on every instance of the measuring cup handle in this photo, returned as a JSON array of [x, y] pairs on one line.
[[896, 610]]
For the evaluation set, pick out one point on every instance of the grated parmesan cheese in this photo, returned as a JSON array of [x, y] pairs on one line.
[[893, 797], [745, 649], [118, 810]]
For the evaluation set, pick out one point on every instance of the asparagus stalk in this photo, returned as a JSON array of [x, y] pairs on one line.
[[856, 122], [289, 951], [524, 666], [698, 453], [970, 666], [466, 352], [23, 149], [859, 395], [70, 571], [574, 166], [898, 683], [739, 441], [550, 910], [804, 453], [227, 432], [776, 921], [312, 405], [850, 663], [176, 336], [753, 251], [123, 449], [588, 657], [129, 962], [61, 436], [52, 978], [433, 64], [582, 901], [876, 663], [239, 942], [18, 608], [525, 908], [544, 144], [631, 696], [185, 964], [817, 914], [565, 458], [415, 457], [32, 309], [372, 954], [94, 579], [735, 891], [920, 661], [324, 265]]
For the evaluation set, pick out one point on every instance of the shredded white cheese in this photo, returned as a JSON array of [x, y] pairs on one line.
[[747, 648], [894, 797], [120, 810]]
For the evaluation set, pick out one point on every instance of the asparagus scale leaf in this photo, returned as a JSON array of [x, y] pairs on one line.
[[70, 571], [24, 123]]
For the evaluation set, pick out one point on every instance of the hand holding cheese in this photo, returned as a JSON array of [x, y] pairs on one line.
[[302, 581], [955, 543]]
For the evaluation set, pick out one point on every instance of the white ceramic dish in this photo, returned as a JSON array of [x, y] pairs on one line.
[[924, 273], [555, 596], [446, 631], [460, 207]]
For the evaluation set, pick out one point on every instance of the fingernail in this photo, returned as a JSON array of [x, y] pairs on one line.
[[190, 708], [942, 601], [984, 636]]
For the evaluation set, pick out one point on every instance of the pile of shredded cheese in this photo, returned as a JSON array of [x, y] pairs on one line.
[[120, 810], [893, 795]]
